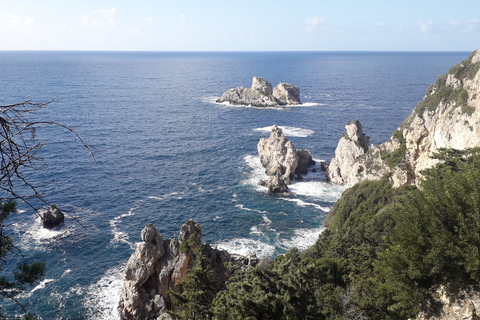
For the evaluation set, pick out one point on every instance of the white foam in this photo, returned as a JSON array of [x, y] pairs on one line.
[[288, 131], [37, 235], [242, 207], [303, 238], [302, 203], [120, 236], [245, 246], [257, 172], [101, 300], [40, 286], [318, 189]]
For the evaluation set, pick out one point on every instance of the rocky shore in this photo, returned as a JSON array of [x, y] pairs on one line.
[[262, 95], [158, 266]]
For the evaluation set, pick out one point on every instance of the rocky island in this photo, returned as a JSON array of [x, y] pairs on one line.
[[261, 95]]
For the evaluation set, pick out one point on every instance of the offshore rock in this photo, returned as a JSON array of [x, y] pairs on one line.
[[305, 160], [448, 117], [52, 217], [287, 93], [159, 265], [353, 144], [279, 158], [262, 95]]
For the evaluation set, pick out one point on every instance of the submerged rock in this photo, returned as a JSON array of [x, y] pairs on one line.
[[262, 95], [159, 265], [52, 217]]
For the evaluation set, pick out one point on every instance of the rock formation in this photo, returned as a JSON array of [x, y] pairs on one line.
[[457, 304], [159, 265], [52, 217], [353, 144], [305, 160], [448, 117], [279, 158], [262, 95]]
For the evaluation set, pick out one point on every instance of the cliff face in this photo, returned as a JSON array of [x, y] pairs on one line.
[[159, 265], [448, 117]]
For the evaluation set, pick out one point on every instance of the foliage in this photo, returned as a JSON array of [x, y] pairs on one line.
[[396, 157], [197, 292], [291, 288]]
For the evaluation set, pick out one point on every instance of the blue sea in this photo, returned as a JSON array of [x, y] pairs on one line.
[[166, 152]]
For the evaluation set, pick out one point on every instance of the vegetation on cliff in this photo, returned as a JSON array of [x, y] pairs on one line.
[[384, 252]]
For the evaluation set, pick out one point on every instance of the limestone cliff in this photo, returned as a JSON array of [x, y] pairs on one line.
[[159, 265], [448, 117], [262, 95]]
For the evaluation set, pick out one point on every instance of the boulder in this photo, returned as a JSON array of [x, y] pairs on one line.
[[52, 217], [158, 266], [261, 94], [305, 160]]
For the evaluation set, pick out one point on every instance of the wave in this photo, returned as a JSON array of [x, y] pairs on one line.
[[39, 286], [257, 172], [302, 203], [246, 246], [303, 238], [317, 189], [289, 131], [213, 100], [101, 300]]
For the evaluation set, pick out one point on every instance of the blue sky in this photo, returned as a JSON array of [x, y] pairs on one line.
[[186, 25]]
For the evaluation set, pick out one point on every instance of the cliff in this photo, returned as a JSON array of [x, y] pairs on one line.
[[262, 95], [448, 117], [158, 266]]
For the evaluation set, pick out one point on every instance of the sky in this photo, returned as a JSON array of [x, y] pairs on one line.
[[245, 25]]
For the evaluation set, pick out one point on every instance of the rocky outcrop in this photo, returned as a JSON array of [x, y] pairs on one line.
[[457, 304], [52, 217], [262, 95], [305, 160], [159, 265], [353, 144], [280, 160], [448, 117]]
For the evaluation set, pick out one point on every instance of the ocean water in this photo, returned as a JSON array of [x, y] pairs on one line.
[[166, 152]]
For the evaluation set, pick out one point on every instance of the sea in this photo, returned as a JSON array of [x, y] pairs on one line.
[[166, 152]]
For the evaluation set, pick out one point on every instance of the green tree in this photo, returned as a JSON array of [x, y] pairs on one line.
[[198, 291]]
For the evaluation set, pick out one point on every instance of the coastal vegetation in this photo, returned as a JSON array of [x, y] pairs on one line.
[[384, 252]]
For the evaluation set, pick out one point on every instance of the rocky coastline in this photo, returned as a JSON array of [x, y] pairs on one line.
[[262, 95], [447, 118], [159, 265]]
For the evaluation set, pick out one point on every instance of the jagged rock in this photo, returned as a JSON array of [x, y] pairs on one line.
[[279, 158], [324, 165], [305, 160], [158, 266], [262, 95], [448, 117], [452, 304], [52, 217], [351, 146], [287, 93]]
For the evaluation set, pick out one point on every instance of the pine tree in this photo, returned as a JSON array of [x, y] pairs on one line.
[[194, 302]]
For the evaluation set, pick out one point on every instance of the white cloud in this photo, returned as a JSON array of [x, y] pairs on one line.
[[311, 24], [464, 26], [427, 27], [9, 19], [99, 18], [149, 19], [183, 20]]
